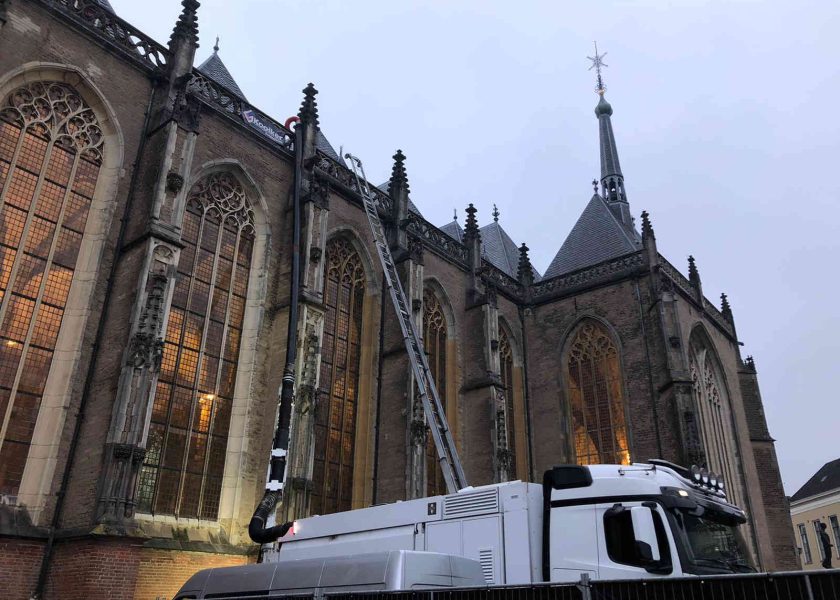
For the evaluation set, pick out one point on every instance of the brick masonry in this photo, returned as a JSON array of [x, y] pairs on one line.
[[90, 559]]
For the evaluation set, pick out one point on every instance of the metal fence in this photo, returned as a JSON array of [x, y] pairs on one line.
[[799, 585]]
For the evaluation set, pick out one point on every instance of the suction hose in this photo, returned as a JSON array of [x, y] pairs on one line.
[[277, 470]]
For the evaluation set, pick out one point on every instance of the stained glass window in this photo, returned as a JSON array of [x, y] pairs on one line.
[[434, 343], [506, 372], [185, 458], [712, 426], [596, 398], [335, 415], [50, 155]]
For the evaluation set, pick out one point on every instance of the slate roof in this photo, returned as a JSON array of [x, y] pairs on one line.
[[453, 229], [824, 480], [497, 247], [216, 70], [598, 235], [323, 144]]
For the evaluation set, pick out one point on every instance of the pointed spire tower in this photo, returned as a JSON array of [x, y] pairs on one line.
[[605, 228], [612, 179]]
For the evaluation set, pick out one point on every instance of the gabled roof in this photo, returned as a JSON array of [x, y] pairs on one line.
[[498, 248], [598, 235], [824, 480], [106, 5], [323, 144], [453, 229], [216, 70]]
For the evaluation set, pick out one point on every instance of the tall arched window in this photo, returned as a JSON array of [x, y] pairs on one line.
[[713, 422], [506, 372], [596, 397], [50, 154], [335, 415], [434, 343], [182, 472]]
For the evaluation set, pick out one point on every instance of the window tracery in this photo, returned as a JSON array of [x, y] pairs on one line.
[[184, 463], [596, 398], [51, 147], [714, 441], [434, 343], [335, 415], [506, 373]]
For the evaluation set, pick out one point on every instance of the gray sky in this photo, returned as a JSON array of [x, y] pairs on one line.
[[724, 116]]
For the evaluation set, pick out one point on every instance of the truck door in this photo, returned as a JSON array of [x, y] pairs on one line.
[[573, 547], [620, 554]]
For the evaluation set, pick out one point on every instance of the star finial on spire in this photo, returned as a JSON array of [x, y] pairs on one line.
[[597, 63], [496, 213], [216, 46]]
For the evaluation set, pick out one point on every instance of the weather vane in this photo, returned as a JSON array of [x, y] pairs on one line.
[[597, 63]]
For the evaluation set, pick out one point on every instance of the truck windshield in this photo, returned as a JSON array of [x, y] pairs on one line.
[[714, 543]]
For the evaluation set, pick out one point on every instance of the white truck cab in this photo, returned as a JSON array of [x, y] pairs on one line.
[[649, 520]]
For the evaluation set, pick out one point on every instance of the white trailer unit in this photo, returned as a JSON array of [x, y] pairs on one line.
[[605, 521]]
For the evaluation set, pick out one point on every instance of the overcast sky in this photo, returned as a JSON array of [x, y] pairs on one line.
[[724, 113]]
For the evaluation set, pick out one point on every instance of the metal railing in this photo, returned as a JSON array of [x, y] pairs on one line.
[[797, 585]]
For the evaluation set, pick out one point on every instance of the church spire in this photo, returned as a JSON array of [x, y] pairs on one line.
[[612, 180]]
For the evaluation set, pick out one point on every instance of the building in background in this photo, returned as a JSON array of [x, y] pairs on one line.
[[145, 252], [818, 501]]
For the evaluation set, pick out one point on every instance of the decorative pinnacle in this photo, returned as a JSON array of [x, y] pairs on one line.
[[216, 46], [524, 269], [471, 227], [597, 64], [726, 309], [309, 107], [454, 214], [595, 185], [496, 213], [750, 362], [187, 26], [399, 179], [693, 273], [647, 228]]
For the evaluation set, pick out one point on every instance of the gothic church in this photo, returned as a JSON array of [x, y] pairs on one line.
[[145, 248]]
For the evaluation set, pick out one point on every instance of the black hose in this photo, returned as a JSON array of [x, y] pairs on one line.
[[274, 488]]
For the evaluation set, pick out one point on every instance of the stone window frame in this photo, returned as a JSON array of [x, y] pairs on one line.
[[63, 381], [701, 347], [453, 357], [568, 339], [239, 494], [520, 418], [364, 444]]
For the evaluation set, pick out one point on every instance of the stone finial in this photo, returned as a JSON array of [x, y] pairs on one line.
[[496, 213], [595, 186], [647, 228], [186, 29], [750, 363], [309, 107], [693, 273], [725, 308], [454, 214], [524, 271], [399, 179], [471, 227]]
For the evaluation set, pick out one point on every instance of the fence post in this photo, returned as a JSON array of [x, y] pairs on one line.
[[808, 586], [584, 587]]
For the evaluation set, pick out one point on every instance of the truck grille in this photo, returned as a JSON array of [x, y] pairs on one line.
[[471, 503]]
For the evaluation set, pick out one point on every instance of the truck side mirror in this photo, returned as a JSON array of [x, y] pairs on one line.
[[644, 533]]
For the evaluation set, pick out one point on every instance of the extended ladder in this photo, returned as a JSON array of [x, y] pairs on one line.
[[450, 464]]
